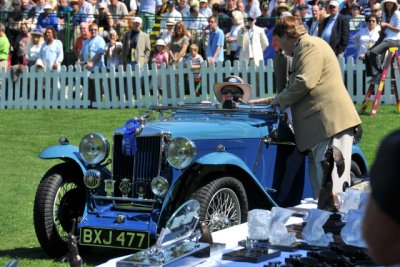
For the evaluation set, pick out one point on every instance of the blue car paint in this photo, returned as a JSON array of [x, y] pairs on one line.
[[217, 128], [104, 217], [240, 135], [64, 152], [224, 158]]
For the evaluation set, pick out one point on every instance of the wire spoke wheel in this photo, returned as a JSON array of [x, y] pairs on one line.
[[223, 203], [59, 213], [223, 210]]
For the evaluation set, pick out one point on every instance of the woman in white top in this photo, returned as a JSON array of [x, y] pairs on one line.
[[367, 36], [231, 37], [34, 46]]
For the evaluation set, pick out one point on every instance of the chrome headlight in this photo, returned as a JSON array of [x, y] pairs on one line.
[[94, 148], [92, 179], [180, 152], [159, 186]]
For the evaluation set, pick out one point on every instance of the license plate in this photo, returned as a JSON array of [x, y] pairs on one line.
[[115, 238]]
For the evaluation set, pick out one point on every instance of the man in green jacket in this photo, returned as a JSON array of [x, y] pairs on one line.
[[322, 110]]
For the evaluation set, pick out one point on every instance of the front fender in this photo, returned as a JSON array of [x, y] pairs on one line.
[[63, 152], [224, 158]]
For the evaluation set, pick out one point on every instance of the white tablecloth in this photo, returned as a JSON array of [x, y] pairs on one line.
[[231, 236]]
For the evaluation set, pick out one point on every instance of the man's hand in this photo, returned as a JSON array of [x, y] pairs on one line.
[[266, 101], [274, 102], [89, 65]]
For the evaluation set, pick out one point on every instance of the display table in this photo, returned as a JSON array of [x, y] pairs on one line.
[[337, 253], [230, 237]]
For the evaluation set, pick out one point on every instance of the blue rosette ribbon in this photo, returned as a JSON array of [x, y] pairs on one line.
[[129, 139]]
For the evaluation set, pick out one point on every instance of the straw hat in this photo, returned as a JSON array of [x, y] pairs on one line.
[[170, 21], [377, 6], [236, 81], [282, 5]]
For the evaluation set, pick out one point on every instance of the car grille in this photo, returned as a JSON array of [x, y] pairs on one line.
[[141, 168]]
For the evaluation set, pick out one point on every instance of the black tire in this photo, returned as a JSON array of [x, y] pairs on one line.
[[232, 212], [355, 171], [59, 199]]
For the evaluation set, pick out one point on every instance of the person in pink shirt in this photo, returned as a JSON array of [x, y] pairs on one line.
[[160, 55]]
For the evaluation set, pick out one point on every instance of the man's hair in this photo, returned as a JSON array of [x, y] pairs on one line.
[[290, 27], [376, 17], [216, 7], [2, 28], [213, 17], [93, 24]]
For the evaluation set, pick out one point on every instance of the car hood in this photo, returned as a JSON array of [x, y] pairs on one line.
[[208, 128]]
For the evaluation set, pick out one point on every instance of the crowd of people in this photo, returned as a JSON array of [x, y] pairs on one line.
[[97, 33], [222, 30]]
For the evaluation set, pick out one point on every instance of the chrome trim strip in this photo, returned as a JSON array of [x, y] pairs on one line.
[[125, 199]]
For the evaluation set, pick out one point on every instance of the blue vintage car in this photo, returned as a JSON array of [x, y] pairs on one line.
[[227, 159]]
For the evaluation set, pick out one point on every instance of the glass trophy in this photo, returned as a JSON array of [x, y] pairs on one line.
[[177, 242]]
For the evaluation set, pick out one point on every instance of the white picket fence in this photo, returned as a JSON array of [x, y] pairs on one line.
[[133, 88]]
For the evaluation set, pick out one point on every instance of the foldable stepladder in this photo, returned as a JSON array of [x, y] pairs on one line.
[[389, 60]]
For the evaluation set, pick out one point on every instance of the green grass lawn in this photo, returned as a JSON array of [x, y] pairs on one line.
[[24, 134]]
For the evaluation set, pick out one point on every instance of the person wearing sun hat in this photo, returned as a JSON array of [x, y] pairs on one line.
[[205, 10], [34, 46], [167, 35], [390, 37], [232, 90], [160, 56], [377, 10], [47, 18], [279, 9]]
